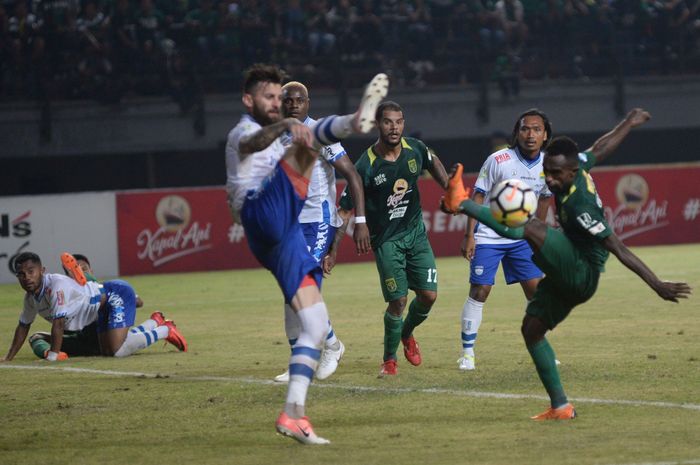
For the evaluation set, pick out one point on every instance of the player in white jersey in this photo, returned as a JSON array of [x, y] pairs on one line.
[[482, 246], [319, 218], [68, 306], [267, 186]]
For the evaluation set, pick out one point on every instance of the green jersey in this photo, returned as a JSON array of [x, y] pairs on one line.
[[392, 200], [581, 215]]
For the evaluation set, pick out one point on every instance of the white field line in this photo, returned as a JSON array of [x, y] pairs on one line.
[[682, 462], [346, 387]]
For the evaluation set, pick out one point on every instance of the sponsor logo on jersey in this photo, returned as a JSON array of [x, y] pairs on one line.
[[400, 190], [397, 212], [502, 158], [590, 224], [379, 179], [412, 166], [390, 284]]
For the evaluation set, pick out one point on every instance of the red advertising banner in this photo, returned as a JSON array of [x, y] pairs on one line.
[[192, 230], [178, 230]]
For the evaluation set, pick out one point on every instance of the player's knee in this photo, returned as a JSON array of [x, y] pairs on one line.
[[426, 298], [532, 329], [396, 307], [479, 292]]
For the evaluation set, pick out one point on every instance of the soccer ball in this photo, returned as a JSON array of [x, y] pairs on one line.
[[513, 202]]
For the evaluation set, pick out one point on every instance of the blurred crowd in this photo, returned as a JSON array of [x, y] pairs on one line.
[[105, 49]]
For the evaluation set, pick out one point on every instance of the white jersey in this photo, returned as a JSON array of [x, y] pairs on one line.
[[62, 297], [321, 197], [501, 165], [248, 174]]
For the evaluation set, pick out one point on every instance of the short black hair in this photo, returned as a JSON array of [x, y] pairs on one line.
[[386, 105], [565, 146], [79, 256], [261, 72], [531, 112], [25, 257]]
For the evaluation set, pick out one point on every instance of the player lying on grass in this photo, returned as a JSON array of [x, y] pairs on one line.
[[572, 258], [67, 305], [85, 342]]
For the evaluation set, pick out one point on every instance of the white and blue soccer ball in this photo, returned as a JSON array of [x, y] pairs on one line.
[[512, 202]]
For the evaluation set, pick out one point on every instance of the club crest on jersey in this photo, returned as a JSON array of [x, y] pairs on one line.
[[412, 166], [478, 270], [390, 284]]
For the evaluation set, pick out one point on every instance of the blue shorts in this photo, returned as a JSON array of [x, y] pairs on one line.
[[516, 258], [270, 218], [119, 310], [319, 238]]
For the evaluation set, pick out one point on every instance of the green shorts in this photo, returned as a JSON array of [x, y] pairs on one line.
[[406, 263], [570, 279]]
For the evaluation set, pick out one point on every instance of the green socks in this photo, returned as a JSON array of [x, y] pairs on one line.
[[417, 314], [483, 214], [392, 335], [545, 362], [39, 347]]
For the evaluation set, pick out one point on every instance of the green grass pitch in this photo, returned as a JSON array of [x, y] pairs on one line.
[[630, 363]]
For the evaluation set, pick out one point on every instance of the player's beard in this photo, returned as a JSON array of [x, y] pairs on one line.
[[265, 118], [389, 142]]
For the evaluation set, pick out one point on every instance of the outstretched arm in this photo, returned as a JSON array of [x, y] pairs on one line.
[[21, 333], [607, 143], [666, 290], [263, 137], [349, 172]]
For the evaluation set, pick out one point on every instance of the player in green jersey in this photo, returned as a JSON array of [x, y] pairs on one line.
[[572, 258], [390, 170]]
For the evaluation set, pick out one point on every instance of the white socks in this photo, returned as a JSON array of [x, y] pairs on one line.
[[305, 355], [471, 320], [332, 129], [139, 337]]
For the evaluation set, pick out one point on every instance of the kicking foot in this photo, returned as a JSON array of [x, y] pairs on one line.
[[71, 265], [375, 92], [456, 192], [174, 336], [466, 363], [283, 378], [329, 361], [565, 412], [299, 429], [389, 368], [411, 350]]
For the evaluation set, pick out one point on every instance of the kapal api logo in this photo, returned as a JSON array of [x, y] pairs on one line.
[[636, 212], [176, 236]]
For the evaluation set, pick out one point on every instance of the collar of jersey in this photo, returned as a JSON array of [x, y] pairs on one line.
[[372, 156], [525, 161], [572, 189], [43, 288]]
